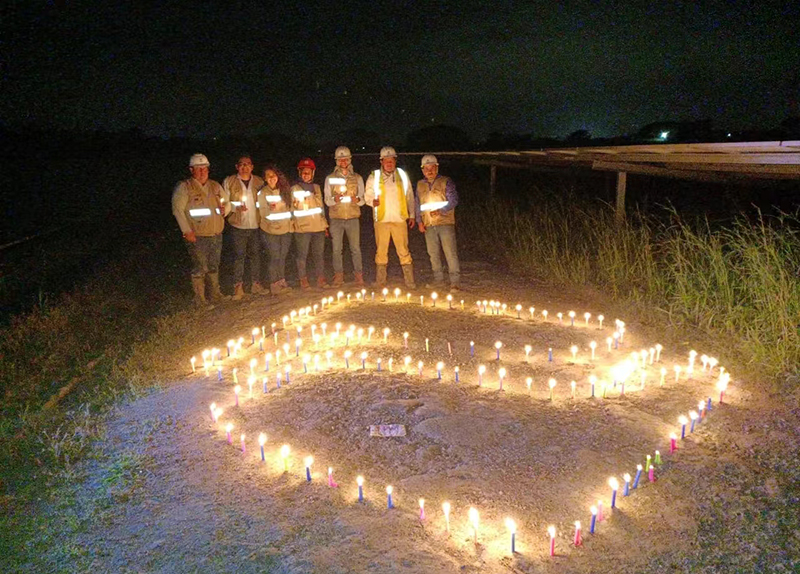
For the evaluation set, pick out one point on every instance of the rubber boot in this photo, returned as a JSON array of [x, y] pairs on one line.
[[380, 276], [199, 288], [304, 284], [256, 288], [338, 280], [213, 286], [359, 279], [408, 276], [238, 292], [276, 288]]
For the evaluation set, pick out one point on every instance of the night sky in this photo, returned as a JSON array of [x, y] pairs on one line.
[[314, 70]]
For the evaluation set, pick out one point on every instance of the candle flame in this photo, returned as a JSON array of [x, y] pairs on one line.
[[511, 525]]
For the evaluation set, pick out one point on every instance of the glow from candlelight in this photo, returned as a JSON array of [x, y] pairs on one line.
[[262, 439], [683, 420], [551, 383], [309, 460], [551, 530], [229, 427], [511, 525], [360, 480], [389, 490], [574, 350], [613, 483], [528, 383], [474, 518]]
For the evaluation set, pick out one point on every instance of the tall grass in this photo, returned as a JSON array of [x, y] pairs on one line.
[[741, 281]]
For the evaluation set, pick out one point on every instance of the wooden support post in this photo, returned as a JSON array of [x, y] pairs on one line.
[[493, 179], [622, 177]]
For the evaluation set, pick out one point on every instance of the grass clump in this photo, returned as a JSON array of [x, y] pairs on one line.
[[740, 281]]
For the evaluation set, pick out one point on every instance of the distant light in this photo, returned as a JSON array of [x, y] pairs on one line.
[[664, 135], [729, 135]]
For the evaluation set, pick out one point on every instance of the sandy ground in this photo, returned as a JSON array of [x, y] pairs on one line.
[[717, 504]]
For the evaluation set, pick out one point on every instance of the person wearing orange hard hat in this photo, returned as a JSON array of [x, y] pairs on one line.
[[308, 217]]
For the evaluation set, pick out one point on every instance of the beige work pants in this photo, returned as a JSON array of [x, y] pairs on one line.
[[398, 233]]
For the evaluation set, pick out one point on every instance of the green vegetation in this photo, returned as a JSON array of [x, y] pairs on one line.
[[739, 283]]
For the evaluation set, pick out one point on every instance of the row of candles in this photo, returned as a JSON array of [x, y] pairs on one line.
[[630, 483]]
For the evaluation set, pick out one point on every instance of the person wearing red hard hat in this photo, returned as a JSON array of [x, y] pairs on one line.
[[344, 196], [199, 207], [275, 216], [389, 193], [241, 189], [309, 224], [437, 199]]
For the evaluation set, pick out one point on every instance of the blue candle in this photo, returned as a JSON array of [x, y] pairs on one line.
[[472, 351], [592, 387], [513, 542], [438, 372], [379, 365], [456, 374], [360, 489], [265, 385], [253, 335], [308, 474], [638, 475], [613, 497], [708, 406], [287, 377], [278, 380], [219, 373], [262, 453], [627, 490], [389, 503], [694, 419], [550, 354], [593, 523], [266, 362]]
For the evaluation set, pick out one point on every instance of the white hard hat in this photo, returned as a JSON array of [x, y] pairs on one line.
[[342, 152], [198, 160], [388, 151], [429, 160]]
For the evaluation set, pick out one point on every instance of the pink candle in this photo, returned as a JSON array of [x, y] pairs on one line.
[[651, 474], [673, 443], [552, 531], [577, 540]]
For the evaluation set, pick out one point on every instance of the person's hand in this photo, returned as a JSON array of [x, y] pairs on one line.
[[436, 213], [327, 233], [376, 202], [242, 207], [190, 237], [421, 227], [411, 223], [337, 198]]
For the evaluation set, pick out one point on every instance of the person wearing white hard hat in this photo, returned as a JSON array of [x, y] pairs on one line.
[[344, 196], [243, 219], [389, 193], [436, 200], [199, 207]]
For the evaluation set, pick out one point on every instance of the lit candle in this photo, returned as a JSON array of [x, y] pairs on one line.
[[228, 429], [193, 361], [347, 359], [560, 317], [544, 314], [663, 376], [701, 408], [657, 458], [600, 516], [446, 511], [324, 327], [627, 478], [219, 372], [455, 371], [386, 332], [236, 390], [278, 380], [378, 363], [439, 367], [551, 383], [391, 360], [722, 386], [673, 443], [592, 381], [497, 346], [360, 483], [364, 361], [519, 310], [577, 541], [328, 355], [603, 388], [419, 368], [422, 509], [449, 301], [677, 372], [384, 293], [512, 529], [253, 333], [250, 382], [339, 296], [571, 318], [285, 457], [309, 460], [600, 319], [331, 482], [531, 310], [242, 442], [472, 348], [427, 345], [528, 383], [551, 530], [472, 513], [422, 300], [502, 374], [693, 416], [406, 362], [573, 384], [396, 294], [609, 340], [593, 523], [614, 484], [389, 502], [615, 336], [405, 339], [592, 346], [213, 407], [586, 317], [481, 370], [262, 439], [638, 476], [683, 420], [287, 370], [550, 354], [434, 296], [574, 350], [651, 474]]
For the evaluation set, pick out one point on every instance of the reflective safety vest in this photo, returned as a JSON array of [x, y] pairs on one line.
[[379, 189], [204, 207], [432, 197], [307, 212], [274, 216], [237, 194], [347, 189]]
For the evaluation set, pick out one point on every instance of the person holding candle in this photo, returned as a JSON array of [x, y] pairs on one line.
[[309, 224], [344, 196], [436, 200], [199, 206], [388, 191], [241, 190], [274, 202]]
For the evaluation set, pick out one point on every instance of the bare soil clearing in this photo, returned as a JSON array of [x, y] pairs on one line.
[[200, 505]]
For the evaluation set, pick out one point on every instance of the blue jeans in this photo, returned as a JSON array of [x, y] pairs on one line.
[[245, 246], [277, 246], [440, 238], [205, 255], [316, 241], [353, 229]]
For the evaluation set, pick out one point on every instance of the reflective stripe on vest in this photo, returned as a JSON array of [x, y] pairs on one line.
[[279, 216], [200, 212], [272, 198], [432, 206], [307, 212]]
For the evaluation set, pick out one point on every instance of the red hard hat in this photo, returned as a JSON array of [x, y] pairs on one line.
[[306, 162]]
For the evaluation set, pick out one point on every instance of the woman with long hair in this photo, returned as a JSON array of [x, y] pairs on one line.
[[275, 223]]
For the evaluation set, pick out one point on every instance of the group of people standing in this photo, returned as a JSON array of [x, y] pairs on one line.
[[264, 215]]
